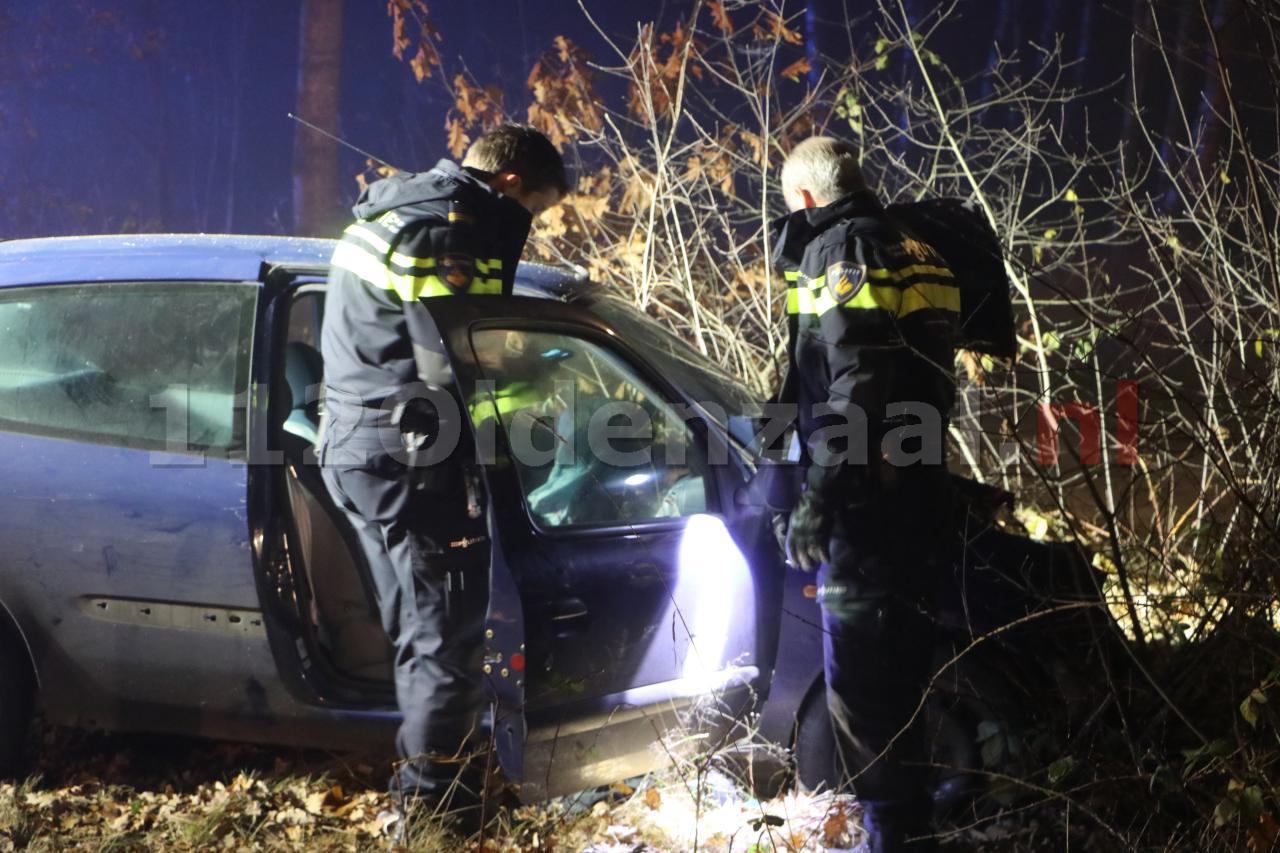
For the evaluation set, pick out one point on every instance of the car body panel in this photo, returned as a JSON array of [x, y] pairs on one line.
[[110, 557]]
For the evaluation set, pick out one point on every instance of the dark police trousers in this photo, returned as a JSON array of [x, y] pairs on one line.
[[877, 595], [429, 564]]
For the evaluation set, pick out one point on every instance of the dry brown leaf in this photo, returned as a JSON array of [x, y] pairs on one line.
[[457, 137], [720, 16], [835, 827], [314, 803], [291, 817], [564, 48], [589, 207], [771, 26], [1263, 837], [551, 223], [653, 799], [399, 41], [474, 103], [421, 64], [639, 193], [758, 150], [797, 69], [972, 366]]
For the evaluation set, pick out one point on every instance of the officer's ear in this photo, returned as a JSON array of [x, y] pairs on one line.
[[797, 198], [507, 183]]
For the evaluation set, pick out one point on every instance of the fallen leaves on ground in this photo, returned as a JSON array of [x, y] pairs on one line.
[[142, 793], [245, 812], [95, 791]]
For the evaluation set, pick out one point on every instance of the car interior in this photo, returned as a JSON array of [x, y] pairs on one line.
[[343, 608], [535, 369], [570, 388]]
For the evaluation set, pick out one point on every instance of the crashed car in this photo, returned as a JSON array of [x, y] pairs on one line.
[[170, 560]]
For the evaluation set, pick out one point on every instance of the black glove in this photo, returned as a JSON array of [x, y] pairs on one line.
[[778, 522], [418, 422], [809, 532]]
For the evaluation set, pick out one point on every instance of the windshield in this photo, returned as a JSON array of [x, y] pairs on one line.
[[714, 390]]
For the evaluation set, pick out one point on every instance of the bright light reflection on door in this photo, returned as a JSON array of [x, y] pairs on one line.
[[713, 606]]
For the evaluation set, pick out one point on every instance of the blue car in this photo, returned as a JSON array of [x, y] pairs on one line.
[[171, 562]]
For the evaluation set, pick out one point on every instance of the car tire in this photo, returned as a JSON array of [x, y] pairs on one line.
[[17, 700], [950, 733]]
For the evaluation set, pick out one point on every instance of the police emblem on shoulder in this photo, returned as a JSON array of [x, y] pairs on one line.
[[844, 280], [458, 271]]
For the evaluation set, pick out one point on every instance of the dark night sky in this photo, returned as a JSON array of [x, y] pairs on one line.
[[119, 115], [124, 115]]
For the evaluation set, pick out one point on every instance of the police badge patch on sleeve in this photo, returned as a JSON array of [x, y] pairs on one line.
[[457, 271], [844, 280]]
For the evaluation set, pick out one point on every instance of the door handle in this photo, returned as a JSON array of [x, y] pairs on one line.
[[569, 617]]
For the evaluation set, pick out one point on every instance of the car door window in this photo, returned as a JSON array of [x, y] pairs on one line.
[[152, 365], [592, 442]]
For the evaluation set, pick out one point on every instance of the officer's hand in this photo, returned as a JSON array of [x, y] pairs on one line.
[[808, 533], [778, 522], [418, 421]]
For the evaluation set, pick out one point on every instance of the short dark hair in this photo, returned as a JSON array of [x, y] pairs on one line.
[[524, 150]]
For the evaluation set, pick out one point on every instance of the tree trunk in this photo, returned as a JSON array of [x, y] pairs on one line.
[[316, 184]]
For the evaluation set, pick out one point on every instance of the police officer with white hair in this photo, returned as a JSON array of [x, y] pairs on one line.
[[873, 313]]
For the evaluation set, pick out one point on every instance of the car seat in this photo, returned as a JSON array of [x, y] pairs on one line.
[[344, 604]]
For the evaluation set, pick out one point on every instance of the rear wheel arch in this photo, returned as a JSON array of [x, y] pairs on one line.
[[17, 670], [14, 641]]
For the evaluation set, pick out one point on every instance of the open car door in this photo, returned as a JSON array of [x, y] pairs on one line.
[[631, 598]]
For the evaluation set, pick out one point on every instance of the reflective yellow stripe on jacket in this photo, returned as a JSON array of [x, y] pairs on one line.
[[504, 401], [810, 296], [363, 256]]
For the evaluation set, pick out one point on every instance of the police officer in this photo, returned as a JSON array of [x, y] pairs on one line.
[[454, 232], [872, 314]]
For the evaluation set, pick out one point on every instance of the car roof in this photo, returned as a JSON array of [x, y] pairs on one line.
[[202, 257], [143, 257]]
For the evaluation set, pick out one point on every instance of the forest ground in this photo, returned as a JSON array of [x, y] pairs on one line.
[[100, 792]]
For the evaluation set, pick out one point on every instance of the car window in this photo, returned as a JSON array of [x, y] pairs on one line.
[[142, 365], [723, 396], [592, 442], [305, 314]]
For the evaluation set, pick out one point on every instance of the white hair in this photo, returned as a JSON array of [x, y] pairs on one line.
[[825, 166]]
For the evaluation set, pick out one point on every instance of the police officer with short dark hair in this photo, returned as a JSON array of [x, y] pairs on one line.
[[454, 232], [872, 313]]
